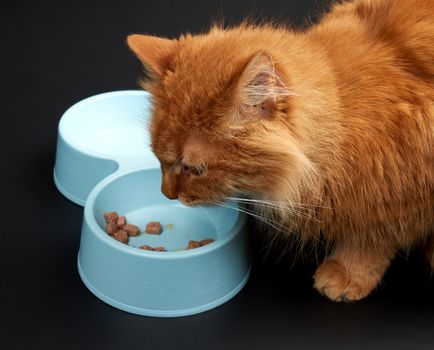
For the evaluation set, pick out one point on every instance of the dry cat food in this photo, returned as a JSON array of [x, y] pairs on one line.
[[121, 236], [111, 217], [132, 230], [206, 241], [156, 249], [111, 228], [196, 244], [159, 249], [193, 244], [118, 228], [122, 221], [153, 227]]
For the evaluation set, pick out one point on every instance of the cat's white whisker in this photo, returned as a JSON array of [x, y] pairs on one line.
[[284, 217], [259, 217], [282, 207], [266, 220], [279, 202]]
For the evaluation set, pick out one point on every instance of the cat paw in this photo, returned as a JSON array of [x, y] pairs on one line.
[[334, 282]]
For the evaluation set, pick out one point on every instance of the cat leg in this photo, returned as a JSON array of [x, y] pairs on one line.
[[351, 273]]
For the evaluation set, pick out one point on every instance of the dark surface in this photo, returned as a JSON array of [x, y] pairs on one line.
[[54, 55]]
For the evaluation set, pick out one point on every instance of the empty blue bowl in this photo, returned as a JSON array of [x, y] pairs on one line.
[[101, 135], [104, 160]]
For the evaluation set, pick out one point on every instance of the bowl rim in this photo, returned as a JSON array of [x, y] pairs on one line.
[[69, 113], [90, 220]]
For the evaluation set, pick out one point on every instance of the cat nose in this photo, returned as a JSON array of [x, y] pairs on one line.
[[169, 193], [168, 188]]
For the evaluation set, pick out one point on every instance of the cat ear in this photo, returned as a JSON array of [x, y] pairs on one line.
[[155, 53], [260, 87]]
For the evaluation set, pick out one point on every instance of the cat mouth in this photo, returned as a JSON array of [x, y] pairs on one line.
[[189, 201], [195, 201]]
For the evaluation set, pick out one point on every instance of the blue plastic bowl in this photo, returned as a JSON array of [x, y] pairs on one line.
[[174, 283], [103, 159], [101, 135]]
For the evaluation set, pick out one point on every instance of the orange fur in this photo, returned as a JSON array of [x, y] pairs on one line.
[[334, 125]]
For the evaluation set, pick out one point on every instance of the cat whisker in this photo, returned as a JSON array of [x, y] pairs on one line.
[[279, 202], [269, 211], [283, 207], [280, 206], [277, 233], [270, 222], [265, 220], [279, 228], [287, 229]]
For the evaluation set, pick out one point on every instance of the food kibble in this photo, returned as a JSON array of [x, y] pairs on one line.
[[111, 228], [196, 244], [121, 236], [159, 249], [122, 221], [193, 244], [111, 216], [153, 227], [118, 228], [156, 249], [132, 230], [206, 241]]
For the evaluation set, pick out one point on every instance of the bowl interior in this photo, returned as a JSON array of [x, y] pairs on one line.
[[112, 124], [137, 195]]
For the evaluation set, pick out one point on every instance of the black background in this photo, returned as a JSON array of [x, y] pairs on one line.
[[54, 55]]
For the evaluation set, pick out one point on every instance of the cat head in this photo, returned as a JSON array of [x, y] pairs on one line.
[[221, 117]]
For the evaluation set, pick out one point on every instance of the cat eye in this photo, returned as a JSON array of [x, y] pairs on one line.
[[189, 169], [185, 169]]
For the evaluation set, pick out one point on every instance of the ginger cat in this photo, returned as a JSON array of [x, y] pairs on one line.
[[328, 132]]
